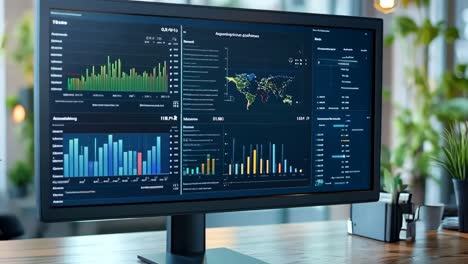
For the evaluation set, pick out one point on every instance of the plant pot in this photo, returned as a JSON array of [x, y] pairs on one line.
[[418, 191], [19, 191], [461, 195]]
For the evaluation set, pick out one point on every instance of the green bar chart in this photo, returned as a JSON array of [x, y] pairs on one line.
[[112, 78]]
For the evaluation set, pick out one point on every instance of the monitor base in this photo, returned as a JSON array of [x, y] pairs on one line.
[[185, 243], [211, 256]]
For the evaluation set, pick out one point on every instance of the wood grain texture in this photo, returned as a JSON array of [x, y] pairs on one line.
[[317, 242]]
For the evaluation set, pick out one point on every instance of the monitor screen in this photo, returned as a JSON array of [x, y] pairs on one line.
[[149, 109]]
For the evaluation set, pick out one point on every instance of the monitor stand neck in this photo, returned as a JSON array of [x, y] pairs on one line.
[[186, 245], [186, 235]]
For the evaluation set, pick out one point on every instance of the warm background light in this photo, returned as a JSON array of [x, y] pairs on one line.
[[385, 6], [387, 3], [19, 114]]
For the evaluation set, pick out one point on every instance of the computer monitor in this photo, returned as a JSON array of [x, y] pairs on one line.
[[151, 109]]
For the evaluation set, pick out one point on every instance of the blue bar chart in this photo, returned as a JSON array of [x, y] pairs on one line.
[[98, 155]]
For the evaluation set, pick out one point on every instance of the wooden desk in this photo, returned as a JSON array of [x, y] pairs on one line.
[[317, 242]]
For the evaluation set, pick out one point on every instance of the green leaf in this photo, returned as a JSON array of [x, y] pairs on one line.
[[23, 52], [427, 33], [440, 23], [386, 94], [3, 42], [423, 163], [388, 181], [385, 157], [389, 39], [418, 3], [454, 158], [399, 155], [21, 174], [404, 25], [451, 34], [460, 69], [453, 110], [392, 183], [422, 3], [419, 77], [12, 101], [454, 84]]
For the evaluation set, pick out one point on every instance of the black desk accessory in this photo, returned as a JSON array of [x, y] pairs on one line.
[[10, 227]]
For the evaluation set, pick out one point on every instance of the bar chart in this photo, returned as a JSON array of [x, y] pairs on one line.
[[206, 168], [111, 78], [97, 155], [202, 150], [260, 159]]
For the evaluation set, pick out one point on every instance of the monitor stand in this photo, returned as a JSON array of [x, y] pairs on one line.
[[186, 245]]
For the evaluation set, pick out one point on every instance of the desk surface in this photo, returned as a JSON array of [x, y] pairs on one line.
[[317, 242]]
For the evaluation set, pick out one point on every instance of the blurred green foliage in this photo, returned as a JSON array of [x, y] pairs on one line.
[[445, 101], [21, 174], [20, 47], [455, 152]]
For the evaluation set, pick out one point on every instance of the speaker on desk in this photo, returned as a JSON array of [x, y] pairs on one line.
[[10, 227]]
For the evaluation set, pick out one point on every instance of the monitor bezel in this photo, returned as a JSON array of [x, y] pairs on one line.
[[96, 212]]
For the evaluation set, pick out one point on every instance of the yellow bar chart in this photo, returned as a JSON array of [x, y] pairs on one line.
[[260, 159]]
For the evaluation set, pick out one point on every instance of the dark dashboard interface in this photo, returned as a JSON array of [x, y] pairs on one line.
[[151, 109]]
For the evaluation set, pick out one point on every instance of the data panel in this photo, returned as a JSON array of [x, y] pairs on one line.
[[152, 109]]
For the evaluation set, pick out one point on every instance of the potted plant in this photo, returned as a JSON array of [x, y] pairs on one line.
[[391, 181], [455, 161], [21, 175], [429, 100], [21, 50]]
